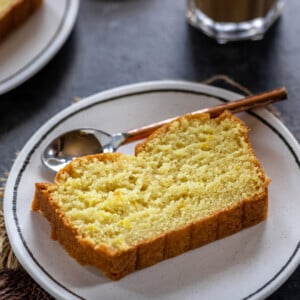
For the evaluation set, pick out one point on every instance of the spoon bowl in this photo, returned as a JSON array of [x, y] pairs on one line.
[[80, 142]]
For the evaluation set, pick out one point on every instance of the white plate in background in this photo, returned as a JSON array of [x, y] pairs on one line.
[[248, 265], [27, 49]]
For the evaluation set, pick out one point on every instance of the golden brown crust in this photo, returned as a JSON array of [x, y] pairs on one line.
[[115, 265], [16, 14]]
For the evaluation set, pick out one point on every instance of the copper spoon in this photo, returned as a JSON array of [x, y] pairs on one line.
[[82, 142]]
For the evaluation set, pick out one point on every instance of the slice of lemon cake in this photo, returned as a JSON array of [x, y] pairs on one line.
[[191, 182], [13, 13]]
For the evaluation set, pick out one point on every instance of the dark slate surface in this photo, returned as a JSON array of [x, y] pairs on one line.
[[118, 42]]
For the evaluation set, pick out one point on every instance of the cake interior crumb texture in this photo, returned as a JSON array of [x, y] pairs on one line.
[[4, 4], [198, 167], [193, 169]]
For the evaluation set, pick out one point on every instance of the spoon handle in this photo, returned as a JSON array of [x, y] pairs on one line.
[[255, 101]]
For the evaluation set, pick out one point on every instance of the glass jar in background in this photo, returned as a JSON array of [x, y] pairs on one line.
[[233, 20]]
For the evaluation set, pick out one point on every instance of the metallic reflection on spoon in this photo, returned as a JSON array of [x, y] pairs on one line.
[[77, 143]]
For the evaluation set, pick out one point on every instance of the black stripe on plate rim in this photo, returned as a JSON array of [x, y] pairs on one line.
[[173, 90]]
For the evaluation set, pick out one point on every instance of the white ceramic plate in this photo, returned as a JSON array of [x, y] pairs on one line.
[[30, 47], [248, 265]]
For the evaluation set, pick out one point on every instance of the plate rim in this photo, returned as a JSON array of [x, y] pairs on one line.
[[54, 44], [142, 88]]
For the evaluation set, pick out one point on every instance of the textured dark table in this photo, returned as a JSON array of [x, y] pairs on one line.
[[117, 42]]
